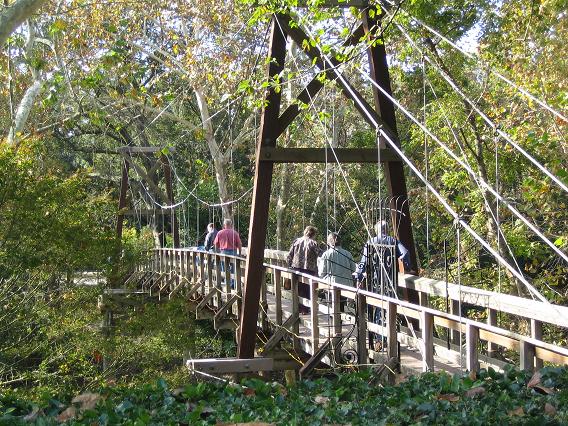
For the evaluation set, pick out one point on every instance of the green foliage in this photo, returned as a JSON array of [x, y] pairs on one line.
[[432, 398], [49, 221]]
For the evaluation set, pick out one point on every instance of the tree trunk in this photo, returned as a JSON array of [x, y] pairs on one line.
[[11, 17], [28, 100], [220, 160]]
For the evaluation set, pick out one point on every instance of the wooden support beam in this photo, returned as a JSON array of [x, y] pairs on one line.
[[314, 360], [329, 65], [326, 155], [230, 365], [280, 332], [261, 199], [122, 199], [146, 212]]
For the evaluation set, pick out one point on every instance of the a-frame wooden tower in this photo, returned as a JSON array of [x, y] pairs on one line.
[[273, 124]]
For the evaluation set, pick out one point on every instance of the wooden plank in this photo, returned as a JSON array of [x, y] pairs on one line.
[[527, 308], [551, 356], [392, 340], [230, 365], [491, 320], [326, 155]]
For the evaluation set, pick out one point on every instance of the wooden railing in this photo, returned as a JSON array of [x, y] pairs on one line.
[[217, 290]]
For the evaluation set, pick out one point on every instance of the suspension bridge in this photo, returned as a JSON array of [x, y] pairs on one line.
[[256, 293]]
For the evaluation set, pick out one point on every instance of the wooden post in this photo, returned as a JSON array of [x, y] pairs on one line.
[[261, 197], [427, 325], [278, 295], [218, 280], [314, 314], [392, 337], [337, 323], [227, 263], [295, 311], [455, 310], [362, 345], [536, 333], [239, 284], [264, 302], [122, 200], [491, 320], [472, 339], [527, 355]]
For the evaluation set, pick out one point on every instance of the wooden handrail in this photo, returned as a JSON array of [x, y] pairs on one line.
[[204, 267]]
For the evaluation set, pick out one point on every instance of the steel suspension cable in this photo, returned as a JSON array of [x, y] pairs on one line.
[[444, 203], [485, 118]]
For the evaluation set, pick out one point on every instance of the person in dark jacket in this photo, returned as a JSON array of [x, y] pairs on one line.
[[303, 257], [210, 238]]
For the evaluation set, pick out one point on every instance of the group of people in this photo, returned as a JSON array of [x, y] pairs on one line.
[[225, 241], [336, 264]]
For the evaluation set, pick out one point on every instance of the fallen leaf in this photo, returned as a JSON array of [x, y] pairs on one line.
[[535, 379], [68, 414], [249, 392], [549, 409], [543, 389], [86, 401], [517, 412], [473, 375], [473, 392], [322, 400], [448, 397]]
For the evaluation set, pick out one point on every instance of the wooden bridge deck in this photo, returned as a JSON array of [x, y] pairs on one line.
[[440, 341]]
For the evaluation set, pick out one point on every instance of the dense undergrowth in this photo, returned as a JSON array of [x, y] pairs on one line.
[[71, 354], [432, 398]]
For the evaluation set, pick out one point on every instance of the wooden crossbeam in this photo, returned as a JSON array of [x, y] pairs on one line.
[[314, 360], [222, 312], [281, 332], [194, 288], [201, 305], [230, 365]]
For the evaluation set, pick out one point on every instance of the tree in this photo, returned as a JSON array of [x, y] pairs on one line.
[[14, 14]]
